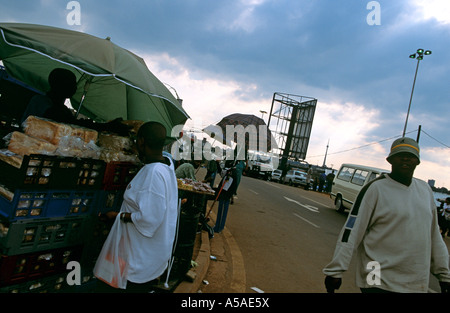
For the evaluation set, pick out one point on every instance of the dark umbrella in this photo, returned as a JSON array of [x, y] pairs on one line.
[[248, 130]]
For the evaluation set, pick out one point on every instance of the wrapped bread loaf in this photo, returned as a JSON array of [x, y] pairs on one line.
[[5, 193], [53, 132], [116, 148], [24, 144], [114, 142], [117, 156], [11, 158]]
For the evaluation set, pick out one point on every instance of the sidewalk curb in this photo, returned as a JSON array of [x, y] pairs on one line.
[[200, 270]]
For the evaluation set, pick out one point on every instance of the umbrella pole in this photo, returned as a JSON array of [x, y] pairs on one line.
[[215, 200], [86, 88]]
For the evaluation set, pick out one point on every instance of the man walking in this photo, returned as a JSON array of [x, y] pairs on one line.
[[393, 229]]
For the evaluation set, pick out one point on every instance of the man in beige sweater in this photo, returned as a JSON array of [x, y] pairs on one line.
[[393, 230]]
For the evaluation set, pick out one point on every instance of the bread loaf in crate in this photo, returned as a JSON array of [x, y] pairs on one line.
[[23, 144], [53, 132]]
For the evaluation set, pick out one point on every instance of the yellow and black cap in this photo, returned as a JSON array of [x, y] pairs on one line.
[[405, 144]]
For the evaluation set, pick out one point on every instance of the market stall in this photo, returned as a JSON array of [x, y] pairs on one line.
[[59, 179], [193, 195], [56, 180]]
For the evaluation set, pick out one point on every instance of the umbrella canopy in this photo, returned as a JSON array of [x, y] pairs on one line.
[[111, 81], [245, 130]]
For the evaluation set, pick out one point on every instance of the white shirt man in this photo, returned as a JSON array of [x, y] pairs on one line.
[[145, 230]]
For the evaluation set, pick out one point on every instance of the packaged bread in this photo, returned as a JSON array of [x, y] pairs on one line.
[[71, 146], [6, 193], [109, 155], [114, 142], [24, 144], [53, 132]]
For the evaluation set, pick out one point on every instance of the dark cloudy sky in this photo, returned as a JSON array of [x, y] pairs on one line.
[[230, 56]]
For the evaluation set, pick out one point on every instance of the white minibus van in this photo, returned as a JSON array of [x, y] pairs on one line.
[[349, 181]]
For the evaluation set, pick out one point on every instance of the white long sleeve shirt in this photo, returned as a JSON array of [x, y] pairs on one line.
[[396, 226], [152, 199]]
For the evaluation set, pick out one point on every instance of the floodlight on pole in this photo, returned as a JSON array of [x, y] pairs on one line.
[[419, 56]]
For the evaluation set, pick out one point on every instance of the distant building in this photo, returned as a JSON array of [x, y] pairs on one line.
[[431, 182]]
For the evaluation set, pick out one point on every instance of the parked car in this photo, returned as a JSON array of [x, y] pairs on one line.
[[349, 181], [295, 177], [276, 175]]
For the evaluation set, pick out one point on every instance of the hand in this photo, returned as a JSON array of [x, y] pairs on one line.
[[116, 126], [332, 283], [445, 287]]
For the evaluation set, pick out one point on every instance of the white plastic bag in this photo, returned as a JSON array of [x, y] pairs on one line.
[[112, 263]]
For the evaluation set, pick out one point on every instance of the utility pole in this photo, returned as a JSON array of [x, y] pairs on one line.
[[418, 133]]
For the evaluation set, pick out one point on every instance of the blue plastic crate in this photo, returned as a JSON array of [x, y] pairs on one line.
[[25, 204]]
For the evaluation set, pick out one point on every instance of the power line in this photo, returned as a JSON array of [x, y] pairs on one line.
[[435, 139], [363, 146]]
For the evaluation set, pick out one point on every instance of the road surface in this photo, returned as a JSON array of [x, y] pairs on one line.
[[277, 239]]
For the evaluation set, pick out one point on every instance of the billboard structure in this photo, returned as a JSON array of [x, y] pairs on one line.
[[290, 120]]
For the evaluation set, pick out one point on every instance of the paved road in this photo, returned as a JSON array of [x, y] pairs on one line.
[[286, 234], [279, 238]]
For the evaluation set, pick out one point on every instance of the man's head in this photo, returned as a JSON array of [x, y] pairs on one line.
[[62, 82], [404, 156], [151, 137], [197, 163]]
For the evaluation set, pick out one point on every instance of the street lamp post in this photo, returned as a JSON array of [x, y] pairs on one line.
[[262, 113], [419, 56]]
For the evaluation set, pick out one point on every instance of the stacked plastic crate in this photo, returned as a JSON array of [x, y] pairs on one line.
[[48, 209]]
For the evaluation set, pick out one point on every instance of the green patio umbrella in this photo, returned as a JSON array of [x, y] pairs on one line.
[[112, 81]]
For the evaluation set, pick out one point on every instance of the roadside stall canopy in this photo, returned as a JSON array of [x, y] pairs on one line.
[[112, 82]]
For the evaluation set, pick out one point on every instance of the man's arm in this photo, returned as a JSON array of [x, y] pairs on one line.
[[124, 216], [350, 237]]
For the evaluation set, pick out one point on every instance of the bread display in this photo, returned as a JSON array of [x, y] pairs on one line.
[[188, 184], [23, 144], [43, 136], [54, 132], [114, 142]]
